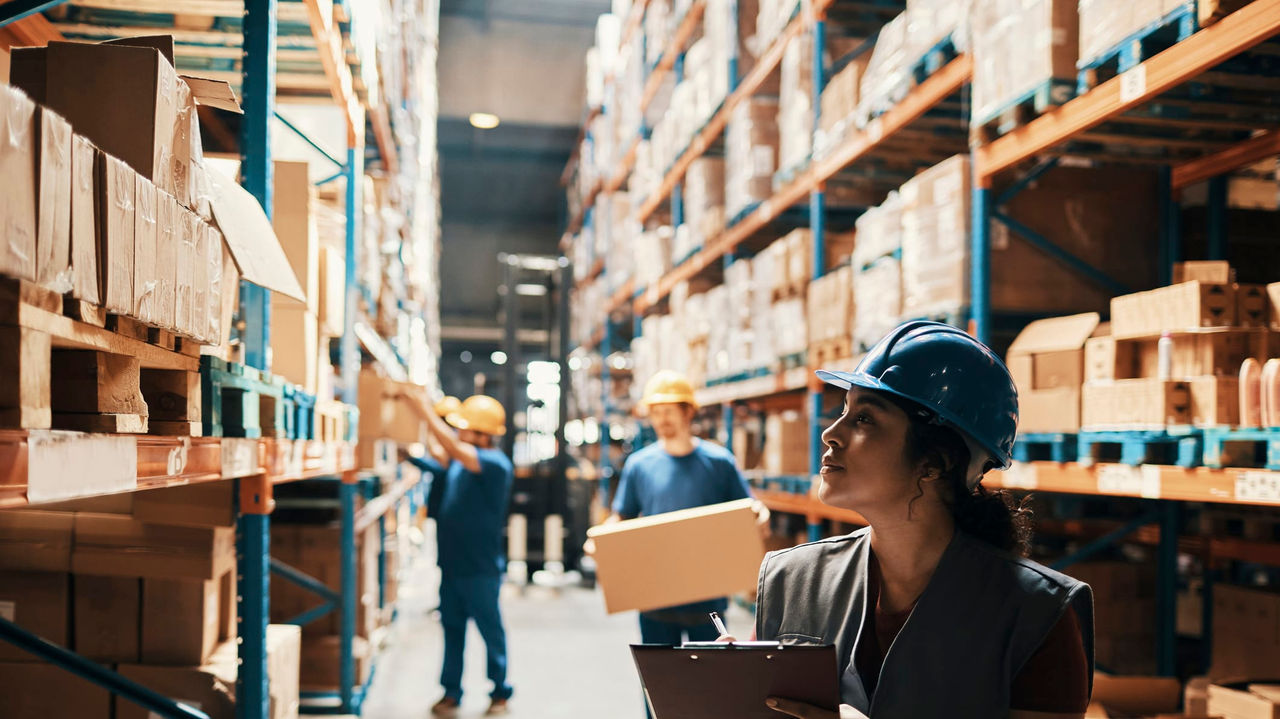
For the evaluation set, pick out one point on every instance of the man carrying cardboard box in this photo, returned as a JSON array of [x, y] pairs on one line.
[[469, 494], [679, 472]]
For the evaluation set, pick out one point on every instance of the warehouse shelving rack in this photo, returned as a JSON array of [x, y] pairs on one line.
[[1113, 122], [250, 34]]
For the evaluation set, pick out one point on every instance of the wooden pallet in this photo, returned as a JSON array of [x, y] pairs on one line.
[[825, 352], [331, 421], [240, 401], [1022, 110], [1182, 447], [1046, 447], [1234, 447], [1176, 26], [1253, 523], [60, 372]]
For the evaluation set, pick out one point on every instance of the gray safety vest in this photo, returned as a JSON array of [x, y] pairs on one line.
[[980, 618]]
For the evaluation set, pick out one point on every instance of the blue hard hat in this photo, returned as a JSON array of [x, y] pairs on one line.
[[948, 373]]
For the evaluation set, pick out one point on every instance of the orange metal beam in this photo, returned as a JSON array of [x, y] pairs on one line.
[[332, 57], [1252, 24], [1199, 484], [34, 30], [1235, 157]]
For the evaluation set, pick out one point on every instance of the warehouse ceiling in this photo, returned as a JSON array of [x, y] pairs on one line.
[[522, 60]]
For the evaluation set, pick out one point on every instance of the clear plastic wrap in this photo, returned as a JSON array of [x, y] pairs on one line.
[[18, 201], [751, 154], [53, 235], [84, 221], [885, 81], [213, 261], [704, 199], [1104, 24], [772, 19], [879, 231], [830, 307], [119, 190], [877, 299], [795, 110], [1042, 34], [144, 251], [935, 239], [839, 104], [166, 260], [929, 22]]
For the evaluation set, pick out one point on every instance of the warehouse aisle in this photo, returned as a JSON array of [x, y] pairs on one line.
[[568, 658]]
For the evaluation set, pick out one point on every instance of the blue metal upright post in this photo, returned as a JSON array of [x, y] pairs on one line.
[[1217, 218], [259, 90], [347, 626], [980, 263], [727, 417], [1167, 589], [817, 222], [1170, 232], [253, 554], [348, 353]]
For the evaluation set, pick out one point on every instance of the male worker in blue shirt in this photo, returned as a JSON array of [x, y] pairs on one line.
[[678, 472], [469, 502]]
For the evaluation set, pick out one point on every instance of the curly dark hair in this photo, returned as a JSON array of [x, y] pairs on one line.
[[996, 517]]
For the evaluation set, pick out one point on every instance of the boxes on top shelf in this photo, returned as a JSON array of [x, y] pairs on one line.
[[886, 80], [1047, 361], [53, 236], [18, 161], [839, 103], [1104, 24], [1042, 34], [935, 239], [877, 301], [1189, 306], [751, 155]]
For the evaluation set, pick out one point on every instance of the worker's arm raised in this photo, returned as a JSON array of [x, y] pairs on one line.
[[448, 440]]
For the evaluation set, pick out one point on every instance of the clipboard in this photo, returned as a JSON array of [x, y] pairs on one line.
[[714, 680]]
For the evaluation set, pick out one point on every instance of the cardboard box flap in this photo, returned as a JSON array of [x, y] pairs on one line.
[[1134, 696], [213, 93], [1056, 334], [163, 43], [253, 243]]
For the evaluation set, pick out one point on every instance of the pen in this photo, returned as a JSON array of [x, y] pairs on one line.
[[720, 627]]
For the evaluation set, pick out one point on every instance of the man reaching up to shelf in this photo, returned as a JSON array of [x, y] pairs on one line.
[[679, 472], [468, 500]]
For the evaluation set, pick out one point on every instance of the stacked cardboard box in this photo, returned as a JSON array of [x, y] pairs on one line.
[[1104, 24], [315, 549], [885, 81], [771, 18], [1047, 361], [1124, 611], [751, 155], [703, 204], [786, 444], [1246, 632], [935, 239], [1243, 700], [839, 104], [877, 281], [795, 107], [1042, 34], [831, 313], [384, 416]]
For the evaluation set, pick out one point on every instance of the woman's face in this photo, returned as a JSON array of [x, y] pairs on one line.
[[865, 466]]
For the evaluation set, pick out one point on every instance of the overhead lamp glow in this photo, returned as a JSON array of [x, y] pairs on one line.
[[531, 290], [498, 358], [483, 120]]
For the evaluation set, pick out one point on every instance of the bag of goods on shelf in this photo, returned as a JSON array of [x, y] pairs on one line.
[[877, 300], [935, 239], [704, 184], [651, 255], [658, 27], [738, 287], [1042, 34], [886, 79], [751, 155]]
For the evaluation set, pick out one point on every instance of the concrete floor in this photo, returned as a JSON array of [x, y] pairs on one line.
[[567, 658]]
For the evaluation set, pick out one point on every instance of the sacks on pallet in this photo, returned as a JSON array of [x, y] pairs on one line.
[[1044, 37]]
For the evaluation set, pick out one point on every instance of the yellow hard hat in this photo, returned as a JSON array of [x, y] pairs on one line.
[[668, 387], [480, 414], [448, 406]]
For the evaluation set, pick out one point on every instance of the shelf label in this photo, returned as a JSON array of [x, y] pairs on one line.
[[1133, 83], [1128, 481], [1151, 481], [1020, 475], [1260, 486]]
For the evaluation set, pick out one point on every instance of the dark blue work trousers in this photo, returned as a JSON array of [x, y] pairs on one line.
[[472, 598]]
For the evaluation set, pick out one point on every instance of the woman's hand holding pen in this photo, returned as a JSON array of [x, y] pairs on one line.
[[801, 710]]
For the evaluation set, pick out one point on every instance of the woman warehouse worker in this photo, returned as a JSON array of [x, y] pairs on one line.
[[932, 608]]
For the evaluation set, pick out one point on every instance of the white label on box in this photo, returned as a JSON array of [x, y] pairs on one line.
[[1133, 83], [1258, 486], [66, 465], [239, 457], [1150, 481], [193, 704], [1020, 475], [8, 610], [1120, 479]]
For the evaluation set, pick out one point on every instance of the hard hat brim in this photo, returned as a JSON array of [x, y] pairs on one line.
[[457, 421], [849, 380], [670, 399]]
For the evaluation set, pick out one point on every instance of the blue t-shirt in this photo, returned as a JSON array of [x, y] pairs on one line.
[[654, 482], [471, 511]]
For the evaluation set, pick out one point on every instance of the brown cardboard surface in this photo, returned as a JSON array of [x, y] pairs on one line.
[[1049, 410], [295, 352], [1246, 632], [113, 545], [1181, 307], [108, 612], [117, 188], [786, 441], [251, 239], [1056, 334], [84, 221], [1215, 401], [53, 234], [213, 93], [18, 166], [39, 602], [646, 564], [333, 300], [200, 281], [1212, 271], [1252, 305], [206, 504], [1273, 301], [187, 226], [1051, 370], [1135, 404], [210, 688], [1237, 702], [1137, 696], [144, 251], [319, 662], [1047, 361], [39, 690], [36, 541], [168, 237], [293, 218], [184, 620]]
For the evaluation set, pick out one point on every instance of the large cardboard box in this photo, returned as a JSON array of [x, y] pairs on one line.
[[145, 284], [1211, 271], [1246, 632], [119, 546], [33, 541], [40, 690], [168, 236], [82, 81], [84, 220], [1136, 404], [117, 195], [211, 687], [18, 203], [1136, 696], [1215, 401], [786, 443], [1187, 306], [200, 280], [208, 504], [39, 602], [294, 220], [1244, 701], [1047, 361], [295, 346], [53, 234], [108, 612], [1253, 307], [646, 564], [184, 620]]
